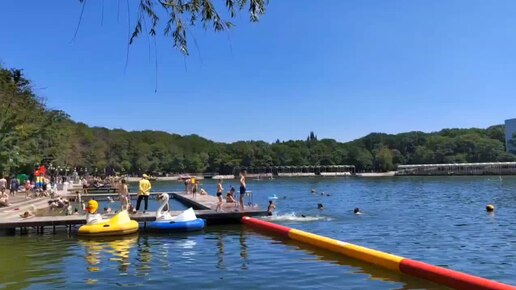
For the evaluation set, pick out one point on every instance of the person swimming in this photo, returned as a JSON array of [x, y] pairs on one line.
[[320, 206], [271, 207], [490, 208], [356, 211]]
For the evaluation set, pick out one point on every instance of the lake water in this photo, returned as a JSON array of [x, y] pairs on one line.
[[439, 220]]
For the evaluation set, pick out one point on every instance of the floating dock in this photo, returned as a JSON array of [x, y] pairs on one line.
[[203, 204]]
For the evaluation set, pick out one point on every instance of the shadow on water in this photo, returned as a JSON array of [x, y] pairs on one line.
[[373, 272]]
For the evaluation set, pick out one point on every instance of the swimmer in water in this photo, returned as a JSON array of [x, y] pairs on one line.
[[320, 206], [271, 207], [490, 208], [313, 190], [356, 211]]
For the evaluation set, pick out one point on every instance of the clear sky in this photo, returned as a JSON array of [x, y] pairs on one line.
[[340, 68]]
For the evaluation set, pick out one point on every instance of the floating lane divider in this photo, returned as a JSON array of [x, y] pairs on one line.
[[439, 275]]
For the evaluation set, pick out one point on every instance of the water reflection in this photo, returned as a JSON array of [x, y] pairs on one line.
[[373, 272], [144, 256], [220, 251], [118, 247], [243, 250]]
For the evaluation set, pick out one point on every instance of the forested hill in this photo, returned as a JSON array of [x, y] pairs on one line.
[[30, 133]]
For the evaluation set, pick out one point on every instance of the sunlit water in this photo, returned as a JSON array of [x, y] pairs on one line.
[[437, 220]]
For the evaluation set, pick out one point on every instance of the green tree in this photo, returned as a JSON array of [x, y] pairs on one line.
[[383, 159]]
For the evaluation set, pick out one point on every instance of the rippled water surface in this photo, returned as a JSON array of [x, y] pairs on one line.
[[437, 220]]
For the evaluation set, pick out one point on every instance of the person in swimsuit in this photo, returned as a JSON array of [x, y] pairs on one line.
[[85, 185], [123, 194], [194, 188], [219, 195], [242, 188], [271, 207]]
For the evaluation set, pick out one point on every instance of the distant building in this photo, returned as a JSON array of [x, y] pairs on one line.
[[510, 131]]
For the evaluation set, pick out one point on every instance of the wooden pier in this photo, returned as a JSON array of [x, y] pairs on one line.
[[203, 204]]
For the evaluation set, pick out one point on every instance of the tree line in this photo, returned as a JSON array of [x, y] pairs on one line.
[[32, 134]]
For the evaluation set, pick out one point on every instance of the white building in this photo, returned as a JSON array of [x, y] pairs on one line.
[[510, 131]]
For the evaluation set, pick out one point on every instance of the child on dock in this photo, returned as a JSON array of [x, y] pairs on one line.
[[195, 184]]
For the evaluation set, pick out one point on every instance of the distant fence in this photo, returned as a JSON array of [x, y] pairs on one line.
[[488, 168]]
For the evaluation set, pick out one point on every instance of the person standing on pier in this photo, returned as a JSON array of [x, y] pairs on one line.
[[3, 185], [195, 185], [219, 195], [14, 185], [123, 194], [144, 192], [85, 185], [242, 188]]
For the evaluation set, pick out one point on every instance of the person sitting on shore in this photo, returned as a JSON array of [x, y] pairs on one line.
[[230, 198], [130, 208], [4, 199], [69, 210], [27, 188], [203, 192], [26, 215]]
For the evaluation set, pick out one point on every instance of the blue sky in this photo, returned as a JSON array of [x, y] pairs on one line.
[[340, 68]]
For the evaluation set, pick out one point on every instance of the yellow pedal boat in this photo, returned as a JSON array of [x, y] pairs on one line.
[[120, 224]]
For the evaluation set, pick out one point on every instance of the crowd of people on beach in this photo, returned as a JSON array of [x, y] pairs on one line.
[[11, 185]]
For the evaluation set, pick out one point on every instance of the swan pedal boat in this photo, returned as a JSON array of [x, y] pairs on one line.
[[119, 224], [187, 221]]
